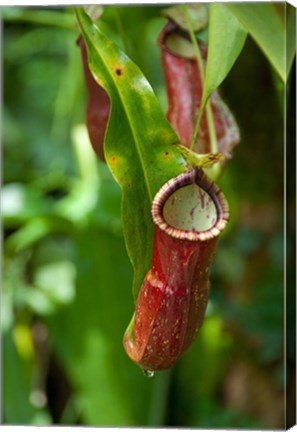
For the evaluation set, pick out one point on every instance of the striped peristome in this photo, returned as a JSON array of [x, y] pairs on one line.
[[198, 177]]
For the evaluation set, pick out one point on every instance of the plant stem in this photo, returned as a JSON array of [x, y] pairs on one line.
[[194, 42], [211, 128], [196, 130], [209, 114]]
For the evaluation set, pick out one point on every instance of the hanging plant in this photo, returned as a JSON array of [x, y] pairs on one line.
[[172, 212], [189, 213], [188, 210]]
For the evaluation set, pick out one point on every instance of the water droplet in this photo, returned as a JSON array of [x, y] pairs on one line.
[[148, 373]]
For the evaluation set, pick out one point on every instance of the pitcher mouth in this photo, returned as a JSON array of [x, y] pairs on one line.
[[191, 207]]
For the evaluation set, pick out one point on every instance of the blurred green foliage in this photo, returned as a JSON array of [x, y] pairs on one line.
[[67, 280]]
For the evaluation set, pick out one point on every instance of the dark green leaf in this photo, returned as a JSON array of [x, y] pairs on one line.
[[266, 25]]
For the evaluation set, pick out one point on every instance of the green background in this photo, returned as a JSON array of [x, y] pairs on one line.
[[66, 296]]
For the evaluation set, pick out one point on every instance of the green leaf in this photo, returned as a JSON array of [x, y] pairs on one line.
[[138, 141], [266, 26], [226, 39]]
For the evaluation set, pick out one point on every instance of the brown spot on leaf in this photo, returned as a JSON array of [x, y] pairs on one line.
[[112, 160], [119, 71]]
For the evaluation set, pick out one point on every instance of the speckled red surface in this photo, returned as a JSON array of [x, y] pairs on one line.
[[172, 301], [184, 93]]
